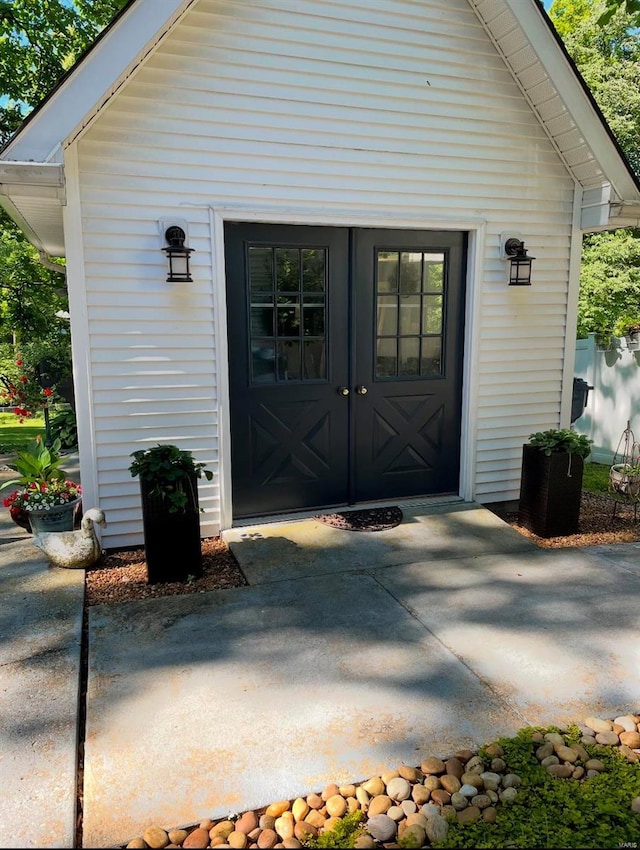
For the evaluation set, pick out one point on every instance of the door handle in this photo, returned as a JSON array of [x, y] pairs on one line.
[[343, 390], [361, 390]]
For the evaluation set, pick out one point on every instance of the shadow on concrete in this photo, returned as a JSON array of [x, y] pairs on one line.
[[40, 638], [343, 658]]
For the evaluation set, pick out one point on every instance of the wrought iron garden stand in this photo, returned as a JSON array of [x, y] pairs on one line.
[[624, 475]]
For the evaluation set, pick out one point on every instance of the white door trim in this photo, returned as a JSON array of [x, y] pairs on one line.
[[474, 226]]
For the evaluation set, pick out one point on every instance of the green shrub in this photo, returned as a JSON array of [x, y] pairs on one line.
[[344, 834], [553, 813], [64, 427], [627, 325]]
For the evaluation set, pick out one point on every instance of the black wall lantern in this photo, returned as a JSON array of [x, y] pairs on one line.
[[178, 255], [520, 262]]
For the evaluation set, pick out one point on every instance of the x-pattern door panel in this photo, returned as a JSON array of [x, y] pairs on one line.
[[290, 452], [407, 434], [345, 364]]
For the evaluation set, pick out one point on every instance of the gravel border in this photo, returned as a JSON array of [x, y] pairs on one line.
[[412, 806], [596, 524]]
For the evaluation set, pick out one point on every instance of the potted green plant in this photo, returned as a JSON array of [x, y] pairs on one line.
[[551, 482], [170, 511], [605, 341], [45, 499], [624, 478]]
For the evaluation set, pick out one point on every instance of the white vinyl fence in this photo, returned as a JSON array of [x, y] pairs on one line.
[[615, 397]]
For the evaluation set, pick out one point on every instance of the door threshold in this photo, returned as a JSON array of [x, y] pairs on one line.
[[300, 516]]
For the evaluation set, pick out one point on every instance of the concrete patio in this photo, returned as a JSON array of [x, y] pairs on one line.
[[40, 659], [348, 653]]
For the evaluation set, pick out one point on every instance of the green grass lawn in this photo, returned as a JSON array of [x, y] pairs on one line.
[[15, 436], [596, 478]]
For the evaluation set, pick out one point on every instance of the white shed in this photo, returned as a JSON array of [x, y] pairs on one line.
[[346, 174]]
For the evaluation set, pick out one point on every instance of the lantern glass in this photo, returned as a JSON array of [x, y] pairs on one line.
[[179, 266], [520, 271]]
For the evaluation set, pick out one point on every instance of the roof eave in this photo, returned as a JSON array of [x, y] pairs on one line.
[[100, 72], [40, 174], [93, 80], [39, 188], [577, 98], [623, 215]]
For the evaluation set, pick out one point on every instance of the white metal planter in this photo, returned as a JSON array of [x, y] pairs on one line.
[[622, 481], [633, 341]]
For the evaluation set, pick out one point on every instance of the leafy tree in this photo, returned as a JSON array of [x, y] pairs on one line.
[[610, 281], [30, 294], [39, 41], [32, 336], [631, 7], [608, 57], [606, 49]]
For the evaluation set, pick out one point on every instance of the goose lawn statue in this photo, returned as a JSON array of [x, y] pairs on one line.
[[73, 549]]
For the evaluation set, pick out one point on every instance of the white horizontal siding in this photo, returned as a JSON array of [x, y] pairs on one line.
[[397, 107], [296, 160], [152, 357], [539, 90]]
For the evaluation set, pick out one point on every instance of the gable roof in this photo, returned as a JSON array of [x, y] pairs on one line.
[[550, 81], [31, 174]]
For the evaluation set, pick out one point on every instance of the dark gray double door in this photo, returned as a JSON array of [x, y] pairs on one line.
[[345, 364]]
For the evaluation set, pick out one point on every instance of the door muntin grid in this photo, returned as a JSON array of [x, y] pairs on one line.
[[410, 298], [287, 313]]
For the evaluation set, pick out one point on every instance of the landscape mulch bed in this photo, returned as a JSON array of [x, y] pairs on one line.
[[122, 576], [597, 525]]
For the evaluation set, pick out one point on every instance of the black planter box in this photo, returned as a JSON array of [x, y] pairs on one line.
[[171, 540], [549, 498]]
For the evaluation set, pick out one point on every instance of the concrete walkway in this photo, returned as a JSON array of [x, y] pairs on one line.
[[40, 638], [349, 653]]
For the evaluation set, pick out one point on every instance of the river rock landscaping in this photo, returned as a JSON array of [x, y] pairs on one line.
[[575, 787]]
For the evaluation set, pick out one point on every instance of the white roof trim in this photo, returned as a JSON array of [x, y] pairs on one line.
[[21, 183], [575, 99], [95, 79], [32, 173], [623, 215], [51, 243]]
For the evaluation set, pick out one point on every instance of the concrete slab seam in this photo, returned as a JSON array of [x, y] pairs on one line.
[[484, 682], [81, 722]]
